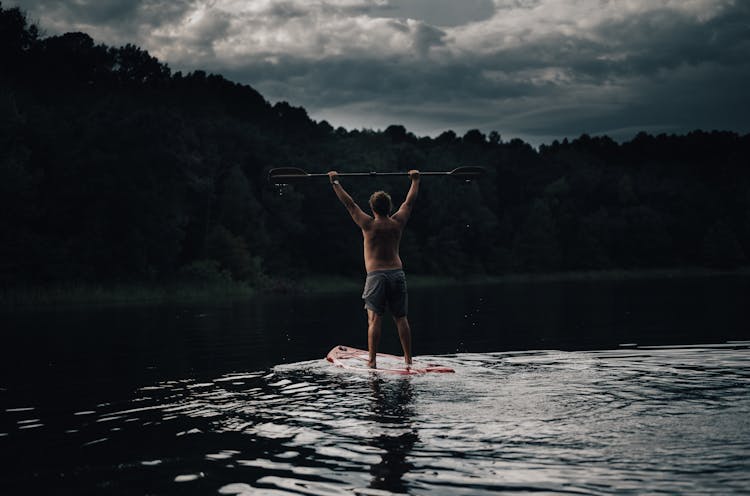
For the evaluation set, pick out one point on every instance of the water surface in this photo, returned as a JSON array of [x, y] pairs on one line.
[[584, 388]]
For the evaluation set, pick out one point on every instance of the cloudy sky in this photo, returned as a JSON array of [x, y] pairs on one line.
[[534, 69]]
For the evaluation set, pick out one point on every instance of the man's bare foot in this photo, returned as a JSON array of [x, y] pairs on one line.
[[372, 365]]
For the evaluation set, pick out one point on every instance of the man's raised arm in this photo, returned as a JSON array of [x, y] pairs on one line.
[[359, 217], [402, 216]]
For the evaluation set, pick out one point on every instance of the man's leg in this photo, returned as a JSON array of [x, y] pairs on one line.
[[374, 322], [404, 334]]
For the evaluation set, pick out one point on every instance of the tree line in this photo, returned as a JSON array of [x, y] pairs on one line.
[[113, 168]]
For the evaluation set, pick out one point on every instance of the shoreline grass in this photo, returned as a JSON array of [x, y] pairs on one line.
[[143, 294], [123, 294], [333, 284]]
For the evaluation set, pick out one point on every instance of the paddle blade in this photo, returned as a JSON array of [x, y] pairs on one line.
[[286, 175], [467, 172]]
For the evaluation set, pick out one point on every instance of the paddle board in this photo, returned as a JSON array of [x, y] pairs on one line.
[[355, 359]]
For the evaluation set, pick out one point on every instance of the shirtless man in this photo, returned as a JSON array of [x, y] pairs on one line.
[[386, 283]]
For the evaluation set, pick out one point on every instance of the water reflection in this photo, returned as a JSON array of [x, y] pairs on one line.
[[393, 406]]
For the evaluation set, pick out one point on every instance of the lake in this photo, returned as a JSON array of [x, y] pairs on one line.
[[587, 387]]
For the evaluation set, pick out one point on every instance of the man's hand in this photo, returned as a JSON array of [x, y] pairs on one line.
[[333, 176], [414, 175]]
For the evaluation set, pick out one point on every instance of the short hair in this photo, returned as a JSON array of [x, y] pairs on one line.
[[380, 203]]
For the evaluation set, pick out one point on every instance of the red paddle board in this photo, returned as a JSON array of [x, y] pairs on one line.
[[350, 358]]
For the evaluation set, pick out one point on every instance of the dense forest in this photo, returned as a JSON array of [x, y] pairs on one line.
[[115, 169]]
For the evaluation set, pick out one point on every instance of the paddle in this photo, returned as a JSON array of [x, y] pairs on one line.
[[286, 175]]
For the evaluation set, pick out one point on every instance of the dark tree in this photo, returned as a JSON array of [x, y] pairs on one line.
[[112, 168]]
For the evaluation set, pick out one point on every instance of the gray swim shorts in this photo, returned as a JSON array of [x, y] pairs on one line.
[[386, 288]]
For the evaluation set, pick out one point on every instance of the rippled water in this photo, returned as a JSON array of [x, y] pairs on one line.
[[237, 399], [638, 420]]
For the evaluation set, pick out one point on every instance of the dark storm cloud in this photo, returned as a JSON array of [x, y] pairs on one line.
[[532, 68], [440, 12], [642, 45], [395, 81], [665, 40], [92, 11], [286, 10], [101, 12], [427, 37], [654, 70], [660, 44]]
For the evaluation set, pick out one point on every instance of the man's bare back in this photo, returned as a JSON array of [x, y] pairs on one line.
[[381, 235]]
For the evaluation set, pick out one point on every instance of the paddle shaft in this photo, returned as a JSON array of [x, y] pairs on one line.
[[359, 174], [287, 174]]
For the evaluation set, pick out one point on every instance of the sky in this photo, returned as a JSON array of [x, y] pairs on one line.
[[538, 70]]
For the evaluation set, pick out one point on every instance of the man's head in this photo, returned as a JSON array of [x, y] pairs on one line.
[[380, 203]]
